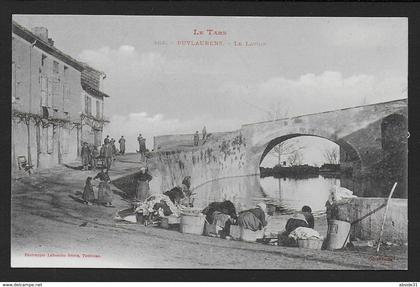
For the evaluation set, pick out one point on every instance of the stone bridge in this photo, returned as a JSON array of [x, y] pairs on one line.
[[372, 141]]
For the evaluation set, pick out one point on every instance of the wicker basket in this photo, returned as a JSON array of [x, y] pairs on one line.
[[193, 224], [164, 223], [310, 243], [235, 232]]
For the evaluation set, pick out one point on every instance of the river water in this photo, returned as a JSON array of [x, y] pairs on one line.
[[290, 194], [285, 194]]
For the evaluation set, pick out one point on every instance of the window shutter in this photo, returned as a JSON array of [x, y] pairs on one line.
[[44, 92], [63, 98], [86, 104], [66, 103], [89, 106], [50, 93], [56, 94], [98, 109]]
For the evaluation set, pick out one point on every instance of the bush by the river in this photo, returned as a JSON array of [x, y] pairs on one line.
[[299, 171]]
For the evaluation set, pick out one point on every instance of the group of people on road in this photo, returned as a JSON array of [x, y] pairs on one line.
[[89, 155], [107, 153], [197, 136]]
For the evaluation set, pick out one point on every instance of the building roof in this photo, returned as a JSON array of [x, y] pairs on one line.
[[45, 46], [90, 80], [93, 92], [90, 77]]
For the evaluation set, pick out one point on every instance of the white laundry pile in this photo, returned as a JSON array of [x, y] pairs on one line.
[[305, 233], [147, 206], [340, 194]]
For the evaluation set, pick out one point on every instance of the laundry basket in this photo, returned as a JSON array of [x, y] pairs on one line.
[[192, 223], [310, 243]]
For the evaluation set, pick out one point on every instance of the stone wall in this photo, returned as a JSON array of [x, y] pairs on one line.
[[396, 223], [205, 163], [167, 141]]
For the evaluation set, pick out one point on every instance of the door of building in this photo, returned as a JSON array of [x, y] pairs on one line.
[[97, 137]]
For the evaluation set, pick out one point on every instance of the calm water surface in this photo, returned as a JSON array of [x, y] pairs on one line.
[[291, 194], [287, 194]]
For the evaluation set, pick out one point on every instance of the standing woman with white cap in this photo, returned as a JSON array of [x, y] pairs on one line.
[[142, 180]]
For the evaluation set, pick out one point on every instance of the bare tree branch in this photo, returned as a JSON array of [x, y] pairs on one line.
[[295, 158], [280, 111], [332, 156]]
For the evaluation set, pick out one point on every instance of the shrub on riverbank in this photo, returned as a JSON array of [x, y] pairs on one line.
[[299, 171]]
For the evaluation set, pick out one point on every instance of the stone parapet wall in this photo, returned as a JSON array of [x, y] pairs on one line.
[[396, 223], [216, 159]]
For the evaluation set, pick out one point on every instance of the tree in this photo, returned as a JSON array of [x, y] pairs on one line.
[[295, 158], [332, 155], [288, 147]]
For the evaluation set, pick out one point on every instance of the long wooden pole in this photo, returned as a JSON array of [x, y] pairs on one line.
[[386, 211]]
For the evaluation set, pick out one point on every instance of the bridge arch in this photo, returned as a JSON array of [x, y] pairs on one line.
[[346, 148]]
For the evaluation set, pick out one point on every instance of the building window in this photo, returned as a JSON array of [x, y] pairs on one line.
[[43, 60], [66, 72], [55, 67], [45, 113], [97, 137], [65, 137], [88, 105], [98, 109]]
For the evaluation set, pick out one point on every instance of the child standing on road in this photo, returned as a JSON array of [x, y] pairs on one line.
[[88, 194]]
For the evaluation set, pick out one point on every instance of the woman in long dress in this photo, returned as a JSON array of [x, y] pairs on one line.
[[142, 180], [105, 194], [253, 219], [88, 194], [104, 189]]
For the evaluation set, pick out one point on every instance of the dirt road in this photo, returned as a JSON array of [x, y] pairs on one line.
[[50, 229]]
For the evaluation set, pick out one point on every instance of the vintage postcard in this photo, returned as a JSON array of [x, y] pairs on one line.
[[209, 142]]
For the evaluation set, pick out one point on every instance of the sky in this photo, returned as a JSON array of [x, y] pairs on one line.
[[299, 65]]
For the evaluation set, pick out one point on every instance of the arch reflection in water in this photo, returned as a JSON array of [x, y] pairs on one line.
[[291, 194], [243, 191], [286, 193]]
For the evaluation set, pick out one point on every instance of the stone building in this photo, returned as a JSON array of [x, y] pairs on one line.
[[92, 117], [47, 113]]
